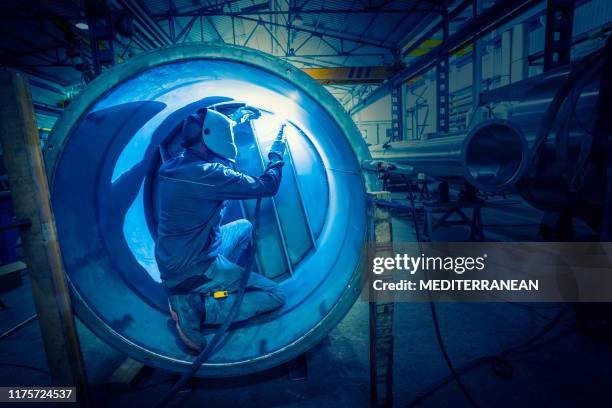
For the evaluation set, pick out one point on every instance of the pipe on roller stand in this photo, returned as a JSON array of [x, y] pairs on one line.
[[549, 140], [492, 156]]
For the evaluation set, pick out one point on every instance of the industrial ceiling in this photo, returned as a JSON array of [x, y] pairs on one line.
[[308, 33]]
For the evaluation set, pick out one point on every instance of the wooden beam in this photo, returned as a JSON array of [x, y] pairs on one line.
[[298, 368], [381, 310], [123, 377], [10, 275], [12, 267], [30, 193]]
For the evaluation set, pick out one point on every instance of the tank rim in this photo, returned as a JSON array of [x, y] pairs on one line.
[[518, 173]]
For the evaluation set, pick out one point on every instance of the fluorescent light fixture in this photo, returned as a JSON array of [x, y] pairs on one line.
[[81, 25]]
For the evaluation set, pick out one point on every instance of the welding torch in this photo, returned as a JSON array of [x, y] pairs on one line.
[[277, 150]]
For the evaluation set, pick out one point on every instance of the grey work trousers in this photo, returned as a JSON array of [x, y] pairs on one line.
[[262, 295]]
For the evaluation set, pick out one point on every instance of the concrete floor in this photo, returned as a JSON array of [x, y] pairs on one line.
[[563, 368]]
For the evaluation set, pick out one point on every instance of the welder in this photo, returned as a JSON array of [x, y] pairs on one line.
[[200, 258]]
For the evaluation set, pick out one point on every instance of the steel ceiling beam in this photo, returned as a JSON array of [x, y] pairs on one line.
[[144, 19], [62, 43], [186, 30], [210, 7], [369, 25], [35, 51], [209, 11], [438, 27], [221, 12], [38, 74], [316, 33], [403, 20], [356, 55], [471, 30]]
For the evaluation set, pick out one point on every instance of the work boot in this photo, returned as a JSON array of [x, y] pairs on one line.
[[189, 313]]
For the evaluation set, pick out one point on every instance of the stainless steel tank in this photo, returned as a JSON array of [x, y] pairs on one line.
[[102, 158]]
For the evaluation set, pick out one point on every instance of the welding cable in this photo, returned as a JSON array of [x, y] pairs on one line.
[[434, 313], [19, 326], [583, 67], [211, 347], [499, 361], [96, 389], [131, 389], [600, 128], [27, 367], [454, 374]]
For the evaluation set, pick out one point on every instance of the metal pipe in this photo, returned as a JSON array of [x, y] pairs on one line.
[[539, 143], [439, 157], [492, 156]]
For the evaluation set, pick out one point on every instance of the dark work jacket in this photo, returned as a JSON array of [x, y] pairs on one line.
[[193, 189]]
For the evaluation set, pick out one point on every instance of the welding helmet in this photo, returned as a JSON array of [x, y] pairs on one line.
[[218, 135]]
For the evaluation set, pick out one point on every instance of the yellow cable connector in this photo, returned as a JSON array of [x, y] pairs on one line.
[[220, 294]]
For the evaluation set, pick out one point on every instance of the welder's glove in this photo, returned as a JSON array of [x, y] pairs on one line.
[[245, 114], [277, 150], [273, 163]]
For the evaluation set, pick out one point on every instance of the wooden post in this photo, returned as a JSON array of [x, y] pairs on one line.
[[381, 312], [30, 193], [606, 223], [124, 376]]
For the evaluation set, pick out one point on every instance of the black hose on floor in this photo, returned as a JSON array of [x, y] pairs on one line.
[[19, 326], [497, 361], [434, 313]]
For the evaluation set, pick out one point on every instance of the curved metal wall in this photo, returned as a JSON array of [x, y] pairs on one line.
[[102, 156]]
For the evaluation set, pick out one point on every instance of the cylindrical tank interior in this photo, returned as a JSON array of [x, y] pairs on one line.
[[102, 159]]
